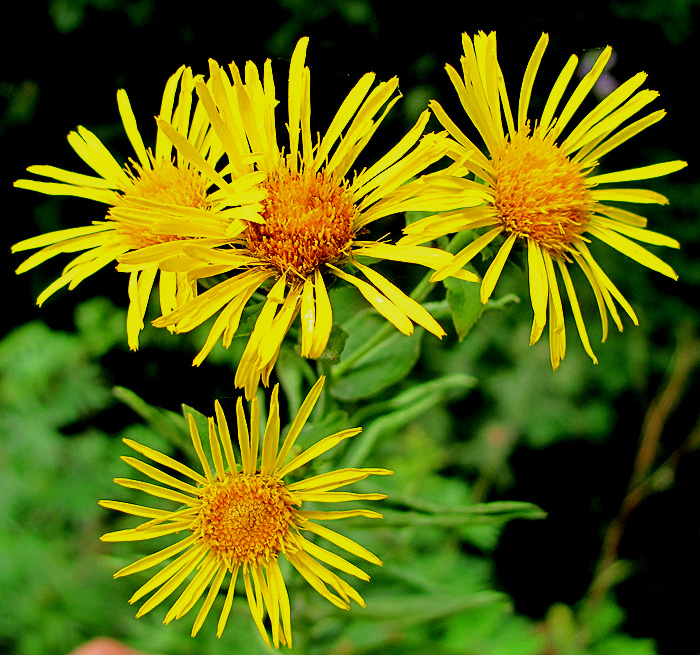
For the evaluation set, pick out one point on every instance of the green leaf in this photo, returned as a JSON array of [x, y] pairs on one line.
[[449, 520], [602, 619], [465, 304], [411, 609], [386, 363], [491, 630], [288, 369], [622, 644], [452, 386], [387, 424], [406, 406], [346, 300], [49, 375], [428, 513], [248, 318], [336, 345], [200, 420], [164, 422]]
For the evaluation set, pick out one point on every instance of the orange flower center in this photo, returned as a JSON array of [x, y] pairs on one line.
[[245, 518], [541, 193], [308, 222], [166, 184]]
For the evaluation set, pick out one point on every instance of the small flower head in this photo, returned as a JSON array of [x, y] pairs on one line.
[[150, 202], [540, 186], [309, 225], [240, 516]]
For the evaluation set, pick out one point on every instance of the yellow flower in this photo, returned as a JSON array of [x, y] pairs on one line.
[[541, 189], [151, 203], [242, 516], [313, 214]]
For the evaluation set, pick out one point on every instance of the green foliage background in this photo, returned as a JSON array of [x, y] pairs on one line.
[[478, 420]]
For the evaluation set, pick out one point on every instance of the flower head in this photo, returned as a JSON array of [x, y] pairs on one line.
[[541, 187], [313, 215], [241, 516], [150, 203]]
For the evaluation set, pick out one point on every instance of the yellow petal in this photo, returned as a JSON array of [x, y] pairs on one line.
[[380, 302], [55, 189], [156, 558], [414, 310], [639, 234], [539, 288], [529, 79], [323, 317], [271, 436], [641, 173], [580, 324], [343, 542], [158, 475], [255, 604], [226, 610], [307, 317], [644, 196], [131, 129], [465, 255], [557, 92], [197, 443], [335, 479], [317, 449], [633, 250], [296, 92], [298, 423], [209, 601], [494, 271], [556, 312], [332, 559], [159, 492]]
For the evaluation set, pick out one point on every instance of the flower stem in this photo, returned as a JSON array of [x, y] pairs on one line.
[[645, 479]]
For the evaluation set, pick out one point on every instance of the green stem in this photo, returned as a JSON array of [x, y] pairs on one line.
[[323, 367], [644, 477], [368, 346]]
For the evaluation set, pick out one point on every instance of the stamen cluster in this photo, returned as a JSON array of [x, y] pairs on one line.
[[245, 518], [540, 193], [308, 222], [166, 184]]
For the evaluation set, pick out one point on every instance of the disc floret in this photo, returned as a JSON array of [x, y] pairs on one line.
[[308, 222], [246, 519], [540, 193], [165, 184]]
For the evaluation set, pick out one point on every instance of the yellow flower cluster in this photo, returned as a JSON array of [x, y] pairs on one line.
[[287, 218], [223, 199]]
